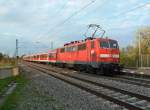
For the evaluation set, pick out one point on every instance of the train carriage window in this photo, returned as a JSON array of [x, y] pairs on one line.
[[62, 50], [92, 44], [82, 46], [104, 44], [51, 55], [45, 55]]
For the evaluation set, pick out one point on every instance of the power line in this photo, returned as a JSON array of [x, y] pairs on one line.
[[122, 13], [72, 15], [75, 13], [130, 10], [60, 10], [133, 9]]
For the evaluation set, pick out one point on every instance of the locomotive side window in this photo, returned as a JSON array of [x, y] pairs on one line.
[[67, 49], [71, 49], [92, 44], [74, 48], [82, 46], [104, 44]]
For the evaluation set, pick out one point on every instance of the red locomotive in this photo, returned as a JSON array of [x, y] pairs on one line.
[[91, 54]]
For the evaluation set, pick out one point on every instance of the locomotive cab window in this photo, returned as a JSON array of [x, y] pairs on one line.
[[104, 44], [113, 44]]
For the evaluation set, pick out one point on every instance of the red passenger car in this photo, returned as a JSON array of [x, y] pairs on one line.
[[52, 56]]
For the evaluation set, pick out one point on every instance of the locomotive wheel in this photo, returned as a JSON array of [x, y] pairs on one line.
[[79, 68], [90, 69], [99, 72], [82, 68]]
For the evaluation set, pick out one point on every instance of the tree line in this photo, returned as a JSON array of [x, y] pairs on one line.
[[130, 55]]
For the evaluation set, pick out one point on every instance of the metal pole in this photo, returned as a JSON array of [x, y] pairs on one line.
[[147, 60], [17, 52], [139, 50]]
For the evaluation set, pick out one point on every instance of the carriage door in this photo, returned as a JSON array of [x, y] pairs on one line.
[[93, 54]]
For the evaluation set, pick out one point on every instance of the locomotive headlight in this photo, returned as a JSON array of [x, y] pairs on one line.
[[115, 55]]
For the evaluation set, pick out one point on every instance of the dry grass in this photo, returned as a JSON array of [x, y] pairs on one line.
[[7, 63]]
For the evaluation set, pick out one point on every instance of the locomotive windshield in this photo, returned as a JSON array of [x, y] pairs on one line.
[[104, 44], [113, 44], [109, 44]]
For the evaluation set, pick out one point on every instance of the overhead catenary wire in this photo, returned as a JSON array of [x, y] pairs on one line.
[[53, 29], [133, 9], [127, 11], [71, 16], [75, 13], [60, 9]]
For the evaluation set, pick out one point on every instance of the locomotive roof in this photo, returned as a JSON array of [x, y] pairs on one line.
[[83, 41]]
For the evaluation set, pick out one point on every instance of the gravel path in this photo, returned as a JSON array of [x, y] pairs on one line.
[[47, 93]]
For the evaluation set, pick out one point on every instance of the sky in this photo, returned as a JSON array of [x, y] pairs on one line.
[[38, 23]]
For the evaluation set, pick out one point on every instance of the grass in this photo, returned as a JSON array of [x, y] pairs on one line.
[[5, 82], [7, 63], [12, 99], [18, 96]]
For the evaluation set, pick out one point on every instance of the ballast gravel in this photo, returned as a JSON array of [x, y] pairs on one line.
[[117, 84], [48, 93]]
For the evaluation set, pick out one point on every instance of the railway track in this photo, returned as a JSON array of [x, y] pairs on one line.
[[127, 79], [137, 75], [134, 80], [129, 100], [120, 78]]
